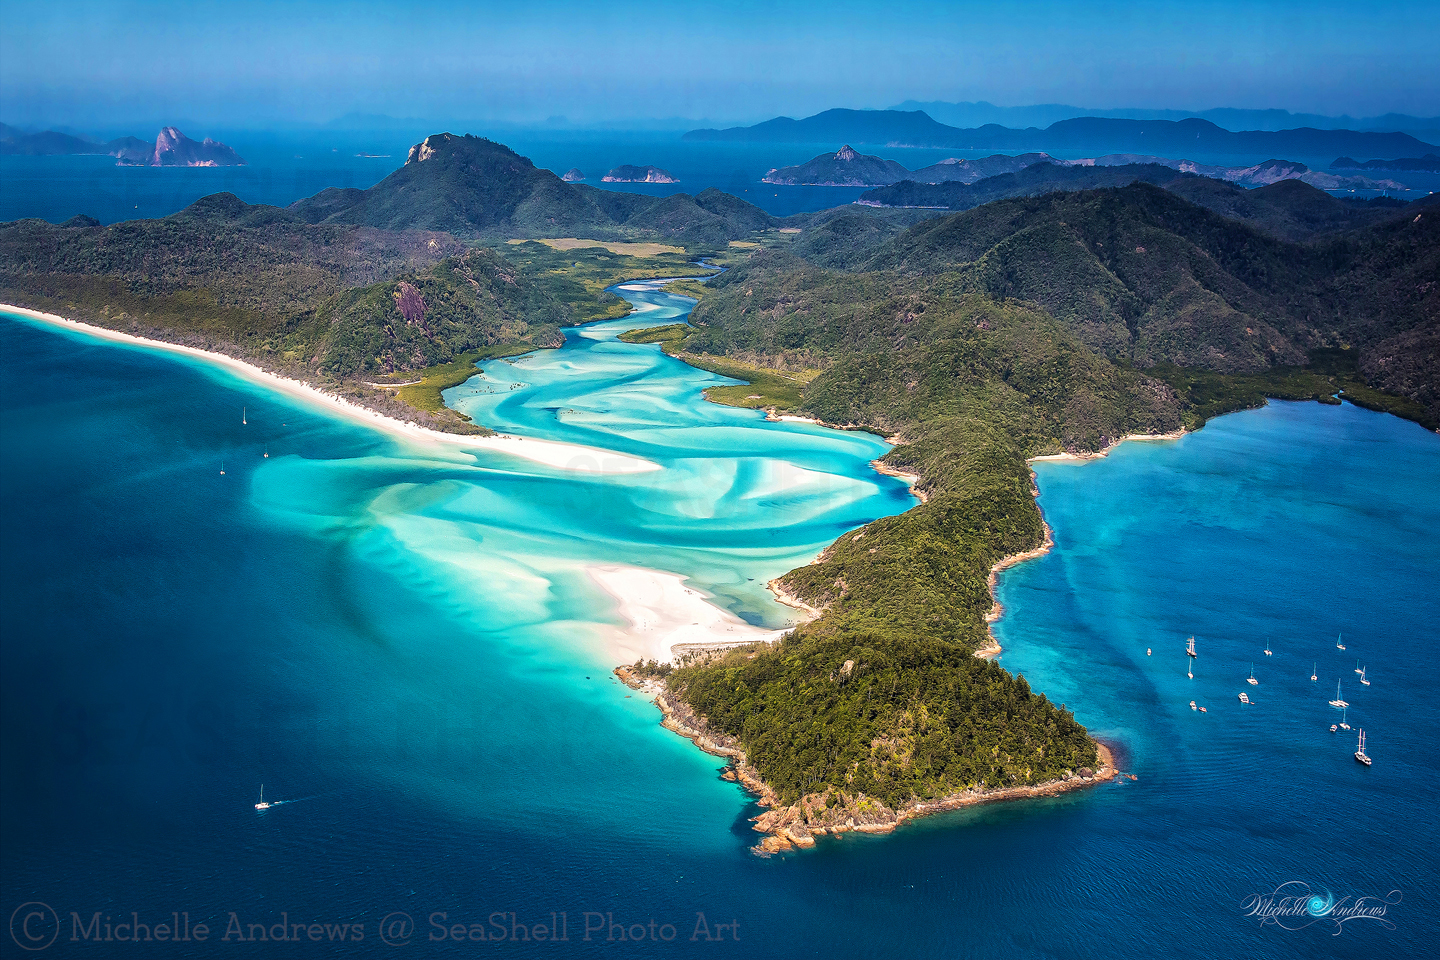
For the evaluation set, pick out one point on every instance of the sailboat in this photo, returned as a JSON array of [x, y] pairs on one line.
[[1267, 649], [1253, 681], [1337, 702], [1362, 677], [1357, 667], [1360, 753], [267, 451], [263, 805], [243, 419], [1338, 644], [1190, 669], [1344, 713], [222, 468], [1313, 674], [1190, 648]]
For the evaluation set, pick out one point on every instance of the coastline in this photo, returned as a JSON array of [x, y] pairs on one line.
[[833, 813], [662, 613], [1105, 452], [564, 456], [997, 610]]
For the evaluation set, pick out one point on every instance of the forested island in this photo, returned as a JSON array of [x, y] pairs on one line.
[[1037, 321]]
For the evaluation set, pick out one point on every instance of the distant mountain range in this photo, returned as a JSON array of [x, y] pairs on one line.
[[849, 168], [1430, 163], [1153, 137], [979, 113], [170, 149]]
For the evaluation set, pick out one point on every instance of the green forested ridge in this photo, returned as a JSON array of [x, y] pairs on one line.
[[472, 187], [981, 339]]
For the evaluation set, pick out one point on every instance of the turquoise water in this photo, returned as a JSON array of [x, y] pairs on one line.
[[401, 641]]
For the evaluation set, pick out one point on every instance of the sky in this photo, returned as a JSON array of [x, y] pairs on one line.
[[101, 64]]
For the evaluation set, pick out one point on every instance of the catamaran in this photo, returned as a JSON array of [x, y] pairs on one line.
[[1344, 713], [1364, 681], [263, 805], [1190, 648], [1253, 681], [1360, 753], [1267, 649], [1337, 702]]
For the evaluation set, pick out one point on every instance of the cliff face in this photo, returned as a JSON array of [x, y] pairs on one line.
[[630, 173], [174, 149]]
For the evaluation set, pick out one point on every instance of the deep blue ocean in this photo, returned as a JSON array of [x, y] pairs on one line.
[[399, 643]]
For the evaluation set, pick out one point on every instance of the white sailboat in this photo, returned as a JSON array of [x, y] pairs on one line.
[[1190, 670], [1253, 681], [1268, 652], [243, 419], [1357, 667], [1338, 644], [1337, 702], [267, 451], [1364, 681], [1360, 753], [263, 805], [1344, 713], [1190, 648], [1314, 675], [222, 468]]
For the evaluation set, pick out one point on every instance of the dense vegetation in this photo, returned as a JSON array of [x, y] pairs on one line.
[[980, 339]]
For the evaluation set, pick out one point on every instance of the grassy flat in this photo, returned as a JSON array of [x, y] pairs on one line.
[[618, 247], [426, 394]]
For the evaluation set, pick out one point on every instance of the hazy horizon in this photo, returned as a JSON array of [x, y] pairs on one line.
[[92, 65]]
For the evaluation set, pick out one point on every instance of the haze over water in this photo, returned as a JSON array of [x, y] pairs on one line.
[[403, 642]]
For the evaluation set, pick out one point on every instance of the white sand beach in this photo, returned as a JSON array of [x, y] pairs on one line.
[[662, 611], [563, 456]]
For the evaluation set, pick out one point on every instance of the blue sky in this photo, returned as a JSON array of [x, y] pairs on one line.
[[81, 62]]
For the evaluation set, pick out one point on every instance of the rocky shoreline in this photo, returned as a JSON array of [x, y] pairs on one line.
[[832, 812]]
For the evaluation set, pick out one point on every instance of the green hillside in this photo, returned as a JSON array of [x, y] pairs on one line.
[[475, 188]]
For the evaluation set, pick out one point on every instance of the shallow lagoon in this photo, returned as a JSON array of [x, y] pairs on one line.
[[400, 642]]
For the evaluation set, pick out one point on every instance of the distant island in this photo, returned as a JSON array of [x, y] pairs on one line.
[[573, 175], [915, 128], [170, 149], [1430, 163], [844, 168], [849, 168], [629, 173]]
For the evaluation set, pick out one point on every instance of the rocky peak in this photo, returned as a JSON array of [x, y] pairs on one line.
[[847, 153], [427, 148]]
